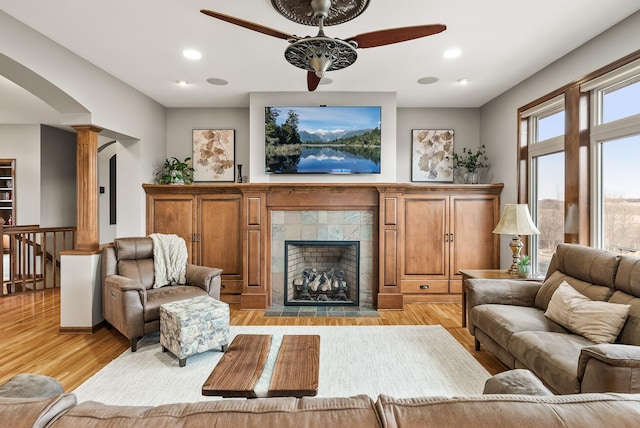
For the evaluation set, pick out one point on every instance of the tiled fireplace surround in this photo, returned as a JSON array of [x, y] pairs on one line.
[[335, 225]]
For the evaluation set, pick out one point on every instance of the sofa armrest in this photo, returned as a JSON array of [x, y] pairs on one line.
[[502, 292], [124, 284], [609, 368], [206, 278], [517, 381]]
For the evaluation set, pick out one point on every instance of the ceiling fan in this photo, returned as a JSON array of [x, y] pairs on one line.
[[319, 54]]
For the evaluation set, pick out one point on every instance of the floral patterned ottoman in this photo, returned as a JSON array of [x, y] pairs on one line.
[[192, 326]]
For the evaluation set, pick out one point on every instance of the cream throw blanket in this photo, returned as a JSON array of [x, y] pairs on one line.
[[169, 259]]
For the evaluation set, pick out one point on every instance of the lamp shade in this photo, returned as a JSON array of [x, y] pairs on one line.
[[516, 220]]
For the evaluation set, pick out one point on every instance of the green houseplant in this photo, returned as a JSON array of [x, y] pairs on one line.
[[175, 171], [471, 162], [524, 266]]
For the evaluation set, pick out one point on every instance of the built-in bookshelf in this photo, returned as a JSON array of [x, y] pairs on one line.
[[8, 191]]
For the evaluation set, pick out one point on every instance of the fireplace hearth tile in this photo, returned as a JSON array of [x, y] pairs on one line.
[[320, 312]]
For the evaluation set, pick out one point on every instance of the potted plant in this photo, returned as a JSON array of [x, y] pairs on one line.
[[174, 171], [524, 266], [471, 162]]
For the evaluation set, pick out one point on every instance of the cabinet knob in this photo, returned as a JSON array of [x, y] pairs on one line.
[[222, 286], [424, 287]]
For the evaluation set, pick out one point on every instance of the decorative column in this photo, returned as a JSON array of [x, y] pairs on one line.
[[87, 235]]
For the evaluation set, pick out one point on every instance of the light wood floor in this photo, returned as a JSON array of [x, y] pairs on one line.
[[30, 341]]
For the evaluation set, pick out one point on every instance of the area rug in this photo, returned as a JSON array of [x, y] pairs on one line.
[[401, 361]]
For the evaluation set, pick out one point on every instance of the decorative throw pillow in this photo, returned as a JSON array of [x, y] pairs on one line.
[[600, 322]]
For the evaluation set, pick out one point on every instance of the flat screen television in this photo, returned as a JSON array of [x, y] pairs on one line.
[[322, 140]]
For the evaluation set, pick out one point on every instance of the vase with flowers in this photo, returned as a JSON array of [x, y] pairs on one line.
[[471, 162]]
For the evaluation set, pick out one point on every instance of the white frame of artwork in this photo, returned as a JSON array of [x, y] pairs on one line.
[[433, 147], [214, 152]]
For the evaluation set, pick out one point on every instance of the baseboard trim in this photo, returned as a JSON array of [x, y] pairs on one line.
[[82, 330]]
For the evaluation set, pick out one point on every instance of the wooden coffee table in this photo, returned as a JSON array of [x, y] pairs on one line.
[[295, 372]]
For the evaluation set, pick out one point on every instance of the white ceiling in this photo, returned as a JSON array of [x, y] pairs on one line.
[[141, 41]]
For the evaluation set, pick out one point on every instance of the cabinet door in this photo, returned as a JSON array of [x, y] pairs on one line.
[[473, 245], [425, 232], [172, 214], [221, 236]]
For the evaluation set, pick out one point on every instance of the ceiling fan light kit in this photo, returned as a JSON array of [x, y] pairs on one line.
[[321, 53], [305, 12]]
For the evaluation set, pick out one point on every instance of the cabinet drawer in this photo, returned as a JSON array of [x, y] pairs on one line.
[[425, 286], [231, 286]]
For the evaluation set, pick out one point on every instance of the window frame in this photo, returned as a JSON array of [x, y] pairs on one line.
[[580, 153], [603, 132], [536, 149]]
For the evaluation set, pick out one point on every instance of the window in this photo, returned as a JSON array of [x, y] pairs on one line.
[[545, 142], [620, 195], [618, 102], [615, 148], [548, 207]]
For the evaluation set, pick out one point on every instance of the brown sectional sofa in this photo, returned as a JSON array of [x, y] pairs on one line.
[[507, 318], [495, 411]]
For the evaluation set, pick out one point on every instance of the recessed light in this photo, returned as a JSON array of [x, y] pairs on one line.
[[191, 54], [217, 81], [182, 82], [452, 53], [463, 81], [428, 80]]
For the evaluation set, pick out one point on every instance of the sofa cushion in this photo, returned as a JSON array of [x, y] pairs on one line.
[[553, 357], [501, 321], [599, 322], [587, 264], [33, 412], [502, 411], [140, 270], [551, 284], [358, 411], [168, 294], [628, 275], [630, 334]]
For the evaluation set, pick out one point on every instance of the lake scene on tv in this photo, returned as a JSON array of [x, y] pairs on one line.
[[322, 140]]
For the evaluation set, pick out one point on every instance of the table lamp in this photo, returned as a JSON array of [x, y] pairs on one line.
[[516, 221]]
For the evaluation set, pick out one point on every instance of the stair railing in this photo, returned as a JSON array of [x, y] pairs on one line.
[[31, 256]]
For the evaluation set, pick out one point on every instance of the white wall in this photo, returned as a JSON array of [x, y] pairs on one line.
[[498, 118], [22, 143], [57, 178], [107, 231], [464, 121], [124, 113], [182, 121]]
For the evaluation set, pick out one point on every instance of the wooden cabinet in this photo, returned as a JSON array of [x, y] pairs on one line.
[[8, 191], [442, 234], [220, 238], [423, 234], [211, 226]]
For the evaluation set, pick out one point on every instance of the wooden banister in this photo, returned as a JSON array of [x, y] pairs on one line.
[[33, 256]]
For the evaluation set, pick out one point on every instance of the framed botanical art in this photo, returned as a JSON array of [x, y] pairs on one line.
[[214, 155], [431, 151]]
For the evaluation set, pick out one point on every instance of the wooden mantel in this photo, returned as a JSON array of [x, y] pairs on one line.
[[256, 201]]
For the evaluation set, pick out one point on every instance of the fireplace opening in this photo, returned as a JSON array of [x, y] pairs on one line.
[[319, 273]]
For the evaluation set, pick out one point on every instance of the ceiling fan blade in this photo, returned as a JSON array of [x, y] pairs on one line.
[[250, 25], [312, 81], [396, 35]]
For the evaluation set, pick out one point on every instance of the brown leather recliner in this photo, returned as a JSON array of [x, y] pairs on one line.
[[129, 301]]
